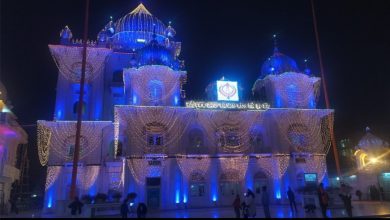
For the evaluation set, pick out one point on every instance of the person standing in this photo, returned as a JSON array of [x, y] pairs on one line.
[[142, 210], [265, 202], [291, 198], [76, 206], [237, 205], [323, 198], [124, 208]]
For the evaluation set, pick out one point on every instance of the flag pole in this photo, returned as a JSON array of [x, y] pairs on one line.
[[80, 105], [332, 137]]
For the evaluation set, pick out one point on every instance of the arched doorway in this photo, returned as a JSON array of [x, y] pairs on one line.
[[229, 186], [260, 179]]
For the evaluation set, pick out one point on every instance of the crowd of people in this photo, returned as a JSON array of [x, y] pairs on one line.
[[76, 208]]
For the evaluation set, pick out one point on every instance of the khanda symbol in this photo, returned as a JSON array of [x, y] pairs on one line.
[[227, 90]]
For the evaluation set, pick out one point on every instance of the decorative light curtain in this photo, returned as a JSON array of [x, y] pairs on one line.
[[295, 90], [62, 135], [274, 166], [194, 164], [139, 79], [88, 176], [316, 164], [304, 130], [52, 175], [218, 124], [44, 138], [138, 122], [69, 61], [143, 167], [234, 167]]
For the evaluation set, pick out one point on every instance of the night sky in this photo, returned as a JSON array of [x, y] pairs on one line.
[[219, 38]]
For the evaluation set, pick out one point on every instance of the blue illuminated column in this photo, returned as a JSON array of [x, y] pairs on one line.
[[61, 97], [177, 185], [176, 100], [277, 189], [249, 177], [278, 100], [214, 182], [185, 190]]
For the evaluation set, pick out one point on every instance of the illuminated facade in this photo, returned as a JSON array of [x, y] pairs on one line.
[[139, 136], [373, 166], [12, 136]]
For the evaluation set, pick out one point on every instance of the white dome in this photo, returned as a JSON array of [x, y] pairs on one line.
[[371, 142]]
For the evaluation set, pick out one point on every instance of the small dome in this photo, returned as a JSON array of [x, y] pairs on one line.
[[66, 35], [170, 32], [371, 142], [155, 54], [136, 29], [277, 64], [107, 32]]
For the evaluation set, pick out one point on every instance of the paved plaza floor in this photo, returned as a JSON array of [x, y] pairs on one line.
[[360, 209]]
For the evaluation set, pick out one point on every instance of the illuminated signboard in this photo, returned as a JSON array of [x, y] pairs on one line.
[[227, 105], [310, 177], [227, 91]]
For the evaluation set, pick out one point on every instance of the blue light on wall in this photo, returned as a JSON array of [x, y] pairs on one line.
[[214, 198], [278, 195], [278, 101], [59, 115], [50, 202], [176, 100], [177, 185], [134, 99], [177, 196]]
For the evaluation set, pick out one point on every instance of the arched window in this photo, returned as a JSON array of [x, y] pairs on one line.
[[70, 143], [256, 141], [117, 76], [155, 92], [260, 180], [196, 141], [75, 107], [197, 185], [229, 183]]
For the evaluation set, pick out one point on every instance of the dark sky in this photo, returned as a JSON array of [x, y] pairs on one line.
[[230, 38]]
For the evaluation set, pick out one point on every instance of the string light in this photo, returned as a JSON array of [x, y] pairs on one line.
[[68, 60], [88, 176], [171, 82], [233, 169], [141, 168], [304, 130], [295, 90], [52, 176], [44, 137], [191, 165], [62, 136]]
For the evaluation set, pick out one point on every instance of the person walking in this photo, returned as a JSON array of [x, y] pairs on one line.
[[250, 203], [237, 206], [124, 208], [291, 198], [75, 206], [346, 198], [323, 199], [265, 202], [142, 210]]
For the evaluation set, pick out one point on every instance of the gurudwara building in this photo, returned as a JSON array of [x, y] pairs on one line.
[[139, 133]]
